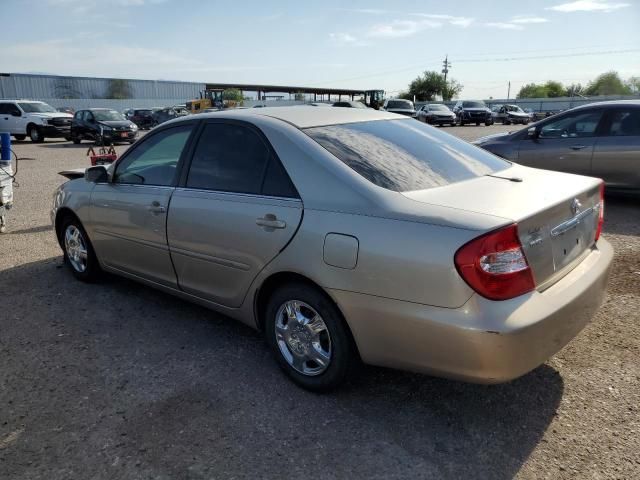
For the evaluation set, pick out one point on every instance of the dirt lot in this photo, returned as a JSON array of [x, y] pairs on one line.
[[116, 380]]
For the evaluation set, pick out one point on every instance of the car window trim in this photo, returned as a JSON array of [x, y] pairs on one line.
[[273, 156], [150, 135]]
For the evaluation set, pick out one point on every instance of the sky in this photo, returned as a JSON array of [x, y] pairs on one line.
[[332, 43]]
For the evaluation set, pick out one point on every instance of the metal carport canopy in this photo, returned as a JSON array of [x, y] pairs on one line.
[[283, 89]]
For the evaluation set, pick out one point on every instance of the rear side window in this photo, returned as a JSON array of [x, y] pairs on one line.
[[405, 155], [625, 123], [234, 158]]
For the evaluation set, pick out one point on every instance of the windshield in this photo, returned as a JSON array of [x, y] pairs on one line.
[[400, 104], [437, 107], [107, 115], [405, 155], [36, 107], [514, 108], [143, 113], [473, 104]]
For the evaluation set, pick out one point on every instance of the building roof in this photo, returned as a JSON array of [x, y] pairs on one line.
[[283, 89]]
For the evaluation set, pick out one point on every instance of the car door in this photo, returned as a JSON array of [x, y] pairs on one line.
[[616, 156], [128, 214], [564, 144], [10, 119], [235, 210]]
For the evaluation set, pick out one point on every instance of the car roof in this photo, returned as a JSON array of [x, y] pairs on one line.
[[305, 117], [610, 103]]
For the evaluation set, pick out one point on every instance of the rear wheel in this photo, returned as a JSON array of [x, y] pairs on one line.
[[20, 137], [477, 124], [35, 134], [309, 337], [78, 251]]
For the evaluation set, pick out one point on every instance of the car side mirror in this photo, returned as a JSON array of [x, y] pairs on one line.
[[533, 132], [96, 174]]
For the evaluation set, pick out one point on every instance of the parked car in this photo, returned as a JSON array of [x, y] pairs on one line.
[[400, 106], [350, 104], [472, 111], [37, 120], [436, 114], [168, 113], [68, 110], [142, 117], [599, 139], [532, 114], [508, 114], [91, 123], [347, 234]]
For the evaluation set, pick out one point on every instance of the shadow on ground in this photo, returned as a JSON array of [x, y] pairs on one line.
[[118, 380]]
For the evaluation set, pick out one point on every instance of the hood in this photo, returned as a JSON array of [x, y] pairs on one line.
[[116, 123], [487, 138], [51, 115], [401, 110]]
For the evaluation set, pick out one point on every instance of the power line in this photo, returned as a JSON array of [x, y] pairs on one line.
[[472, 60]]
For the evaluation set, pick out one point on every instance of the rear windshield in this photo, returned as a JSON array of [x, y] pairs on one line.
[[400, 104], [405, 155], [473, 104]]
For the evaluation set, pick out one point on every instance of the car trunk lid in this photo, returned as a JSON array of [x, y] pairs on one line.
[[556, 213]]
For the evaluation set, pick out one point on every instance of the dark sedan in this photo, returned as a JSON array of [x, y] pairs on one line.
[[97, 123], [600, 140]]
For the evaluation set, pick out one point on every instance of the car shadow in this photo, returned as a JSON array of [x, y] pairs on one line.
[[622, 214], [165, 388]]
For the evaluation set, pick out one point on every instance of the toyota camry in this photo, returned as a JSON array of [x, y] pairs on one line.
[[348, 236]]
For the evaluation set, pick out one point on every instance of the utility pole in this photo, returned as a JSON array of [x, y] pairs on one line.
[[509, 90], [445, 69]]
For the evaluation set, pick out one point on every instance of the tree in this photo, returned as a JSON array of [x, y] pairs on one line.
[[574, 90], [232, 94], [634, 84], [608, 84], [554, 89], [533, 90], [451, 89], [426, 87], [119, 89]]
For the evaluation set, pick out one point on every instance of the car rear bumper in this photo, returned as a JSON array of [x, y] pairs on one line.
[[483, 341]]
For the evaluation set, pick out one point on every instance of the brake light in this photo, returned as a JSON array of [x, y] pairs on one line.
[[600, 212], [495, 266]]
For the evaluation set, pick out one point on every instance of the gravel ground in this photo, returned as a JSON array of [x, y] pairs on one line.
[[116, 380]]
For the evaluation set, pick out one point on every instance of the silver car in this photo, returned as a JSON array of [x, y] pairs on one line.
[[348, 235], [599, 139]]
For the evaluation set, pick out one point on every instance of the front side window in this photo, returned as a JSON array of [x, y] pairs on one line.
[[233, 158], [405, 155], [9, 109], [625, 123], [576, 125], [154, 161]]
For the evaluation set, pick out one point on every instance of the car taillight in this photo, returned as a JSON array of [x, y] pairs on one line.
[[495, 266], [600, 212]]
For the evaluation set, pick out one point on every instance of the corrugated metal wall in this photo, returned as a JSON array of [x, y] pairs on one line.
[[39, 87]]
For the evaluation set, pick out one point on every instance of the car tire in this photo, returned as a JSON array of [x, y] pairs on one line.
[[76, 139], [78, 251], [477, 124], [296, 350], [35, 135], [19, 137], [488, 124], [461, 122]]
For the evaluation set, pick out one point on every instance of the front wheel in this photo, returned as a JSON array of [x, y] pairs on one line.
[[309, 337], [78, 251], [36, 135]]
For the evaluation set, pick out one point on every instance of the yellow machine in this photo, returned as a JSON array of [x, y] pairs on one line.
[[208, 99]]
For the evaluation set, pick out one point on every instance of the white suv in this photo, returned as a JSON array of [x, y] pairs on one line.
[[38, 120]]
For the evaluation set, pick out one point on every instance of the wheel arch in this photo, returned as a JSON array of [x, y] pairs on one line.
[[61, 215], [274, 281]]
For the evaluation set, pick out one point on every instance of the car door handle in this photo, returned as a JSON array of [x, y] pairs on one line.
[[270, 221], [156, 208], [578, 147]]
